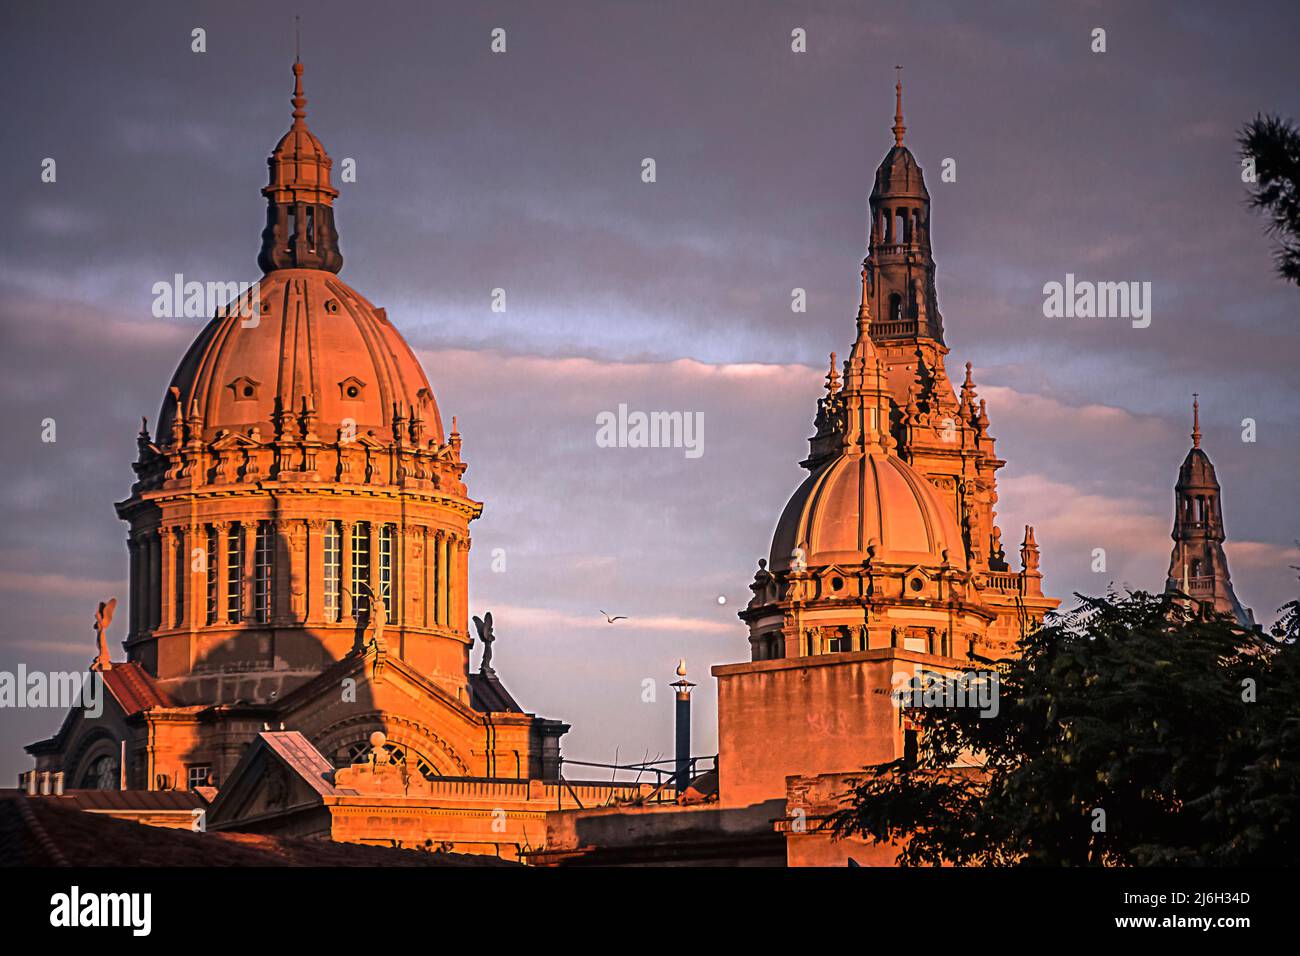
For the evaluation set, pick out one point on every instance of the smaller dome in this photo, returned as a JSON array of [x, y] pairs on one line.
[[1197, 471], [855, 499], [299, 165], [899, 177]]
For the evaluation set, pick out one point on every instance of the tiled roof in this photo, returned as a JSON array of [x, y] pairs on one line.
[[134, 688], [182, 800], [44, 832]]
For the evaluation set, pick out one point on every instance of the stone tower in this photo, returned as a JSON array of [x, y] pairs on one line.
[[941, 436], [1198, 567], [886, 562]]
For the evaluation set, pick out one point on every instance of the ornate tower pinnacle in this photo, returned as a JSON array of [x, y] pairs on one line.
[[899, 128], [1198, 567], [902, 283]]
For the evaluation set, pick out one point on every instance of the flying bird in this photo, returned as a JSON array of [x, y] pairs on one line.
[[616, 617]]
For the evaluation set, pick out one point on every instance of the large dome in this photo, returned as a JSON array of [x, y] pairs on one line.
[[856, 498], [313, 339]]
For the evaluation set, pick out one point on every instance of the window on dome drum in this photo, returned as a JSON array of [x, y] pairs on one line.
[[311, 228], [198, 775], [333, 570], [263, 562], [387, 570], [360, 570], [234, 573], [210, 565]]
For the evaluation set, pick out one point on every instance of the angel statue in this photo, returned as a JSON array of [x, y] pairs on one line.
[[484, 627], [103, 618]]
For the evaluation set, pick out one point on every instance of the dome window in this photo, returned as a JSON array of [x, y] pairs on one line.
[[245, 389], [352, 388], [331, 306]]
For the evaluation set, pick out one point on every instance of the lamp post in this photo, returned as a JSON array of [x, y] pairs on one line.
[[683, 707]]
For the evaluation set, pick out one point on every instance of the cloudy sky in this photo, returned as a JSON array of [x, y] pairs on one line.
[[521, 171]]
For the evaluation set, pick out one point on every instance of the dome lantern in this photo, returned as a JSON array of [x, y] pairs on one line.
[[299, 231]]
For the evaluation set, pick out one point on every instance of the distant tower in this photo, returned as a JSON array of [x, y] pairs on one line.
[[1198, 568]]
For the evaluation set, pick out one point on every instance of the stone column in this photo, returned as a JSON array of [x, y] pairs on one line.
[[439, 570], [426, 572], [291, 571], [374, 556], [147, 567], [219, 554], [133, 589], [345, 572], [194, 583], [314, 570], [412, 573], [247, 531], [460, 583], [167, 579]]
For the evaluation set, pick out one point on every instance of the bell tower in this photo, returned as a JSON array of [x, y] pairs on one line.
[[1198, 567], [901, 268]]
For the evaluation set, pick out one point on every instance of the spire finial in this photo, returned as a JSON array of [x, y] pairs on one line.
[[899, 128], [864, 309], [297, 38], [299, 101], [832, 378], [1196, 421]]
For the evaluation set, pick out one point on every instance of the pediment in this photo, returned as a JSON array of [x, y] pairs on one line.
[[232, 440], [279, 773]]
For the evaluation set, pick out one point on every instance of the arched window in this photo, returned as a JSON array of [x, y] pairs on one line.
[[895, 307], [901, 231], [101, 774]]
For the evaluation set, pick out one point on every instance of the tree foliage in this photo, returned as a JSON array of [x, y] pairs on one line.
[[1273, 145], [1184, 733]]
